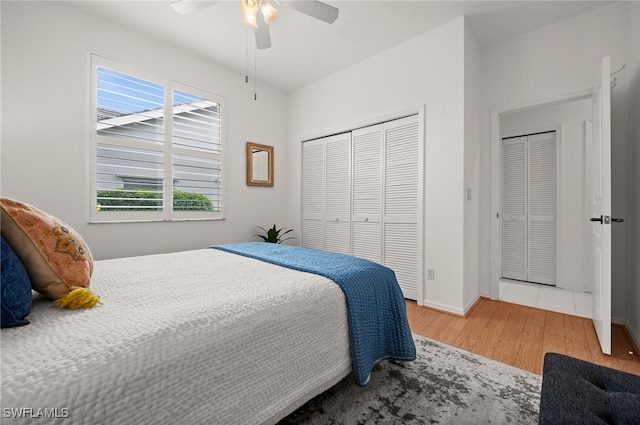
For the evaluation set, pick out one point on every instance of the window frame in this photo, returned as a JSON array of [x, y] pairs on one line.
[[166, 148]]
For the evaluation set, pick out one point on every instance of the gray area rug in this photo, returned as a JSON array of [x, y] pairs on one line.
[[444, 385]]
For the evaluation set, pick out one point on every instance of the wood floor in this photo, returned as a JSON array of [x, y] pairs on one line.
[[520, 336]]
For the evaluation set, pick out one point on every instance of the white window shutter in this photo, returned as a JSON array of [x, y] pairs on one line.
[[514, 208], [156, 147]]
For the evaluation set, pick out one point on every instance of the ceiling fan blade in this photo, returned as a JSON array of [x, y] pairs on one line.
[[315, 9], [187, 6], [263, 35]]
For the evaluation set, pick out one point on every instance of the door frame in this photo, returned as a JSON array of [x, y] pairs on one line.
[[496, 179]]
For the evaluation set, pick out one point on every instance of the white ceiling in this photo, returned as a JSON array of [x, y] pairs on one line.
[[305, 50]]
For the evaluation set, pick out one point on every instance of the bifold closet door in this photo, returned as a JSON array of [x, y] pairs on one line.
[[542, 208], [529, 208], [387, 198], [338, 193], [402, 206], [326, 193], [362, 195], [313, 202], [367, 192], [514, 208]]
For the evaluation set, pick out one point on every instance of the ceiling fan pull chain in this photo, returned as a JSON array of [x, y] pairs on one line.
[[246, 55]]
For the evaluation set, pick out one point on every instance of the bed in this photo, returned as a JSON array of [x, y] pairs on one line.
[[209, 336]]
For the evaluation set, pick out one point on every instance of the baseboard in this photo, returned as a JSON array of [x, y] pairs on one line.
[[452, 310], [574, 288], [618, 321], [443, 308], [470, 306], [632, 339]]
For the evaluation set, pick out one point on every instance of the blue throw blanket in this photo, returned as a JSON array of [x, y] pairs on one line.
[[376, 312]]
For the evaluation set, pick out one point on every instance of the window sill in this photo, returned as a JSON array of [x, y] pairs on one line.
[[156, 220]]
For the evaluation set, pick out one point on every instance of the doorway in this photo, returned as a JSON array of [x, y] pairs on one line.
[[565, 119], [599, 193]]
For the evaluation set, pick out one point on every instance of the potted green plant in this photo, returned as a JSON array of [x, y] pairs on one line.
[[274, 235]]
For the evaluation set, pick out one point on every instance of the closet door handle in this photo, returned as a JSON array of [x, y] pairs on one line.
[[617, 219], [596, 219]]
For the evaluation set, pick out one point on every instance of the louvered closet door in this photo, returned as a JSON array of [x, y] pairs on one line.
[[402, 204], [529, 208], [514, 208], [338, 193], [367, 193], [542, 208], [313, 189]]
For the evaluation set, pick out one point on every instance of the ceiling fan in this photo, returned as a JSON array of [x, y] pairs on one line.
[[251, 8]]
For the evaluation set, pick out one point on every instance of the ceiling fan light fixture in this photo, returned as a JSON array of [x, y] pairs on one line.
[[250, 10], [250, 19], [269, 12]]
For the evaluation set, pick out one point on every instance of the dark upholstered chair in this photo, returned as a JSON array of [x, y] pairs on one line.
[[576, 392]]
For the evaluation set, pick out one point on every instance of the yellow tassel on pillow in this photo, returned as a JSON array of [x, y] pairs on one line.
[[78, 298]]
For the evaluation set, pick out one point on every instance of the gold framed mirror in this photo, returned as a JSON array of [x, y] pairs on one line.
[[259, 164]]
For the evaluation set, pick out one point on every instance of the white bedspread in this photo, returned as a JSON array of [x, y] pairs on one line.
[[195, 337]]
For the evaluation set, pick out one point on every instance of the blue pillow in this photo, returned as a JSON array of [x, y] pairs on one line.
[[15, 289]]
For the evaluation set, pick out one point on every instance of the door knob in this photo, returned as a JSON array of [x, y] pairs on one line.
[[596, 219], [606, 219]]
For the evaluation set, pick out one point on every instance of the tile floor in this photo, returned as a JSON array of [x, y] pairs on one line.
[[546, 297]]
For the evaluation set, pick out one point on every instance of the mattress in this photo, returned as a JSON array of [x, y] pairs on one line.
[[198, 337]]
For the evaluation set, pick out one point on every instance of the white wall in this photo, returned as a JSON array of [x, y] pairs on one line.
[[633, 217], [45, 96], [560, 59], [570, 116], [428, 69], [471, 167]]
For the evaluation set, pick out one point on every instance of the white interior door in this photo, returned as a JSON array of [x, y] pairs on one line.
[[601, 206]]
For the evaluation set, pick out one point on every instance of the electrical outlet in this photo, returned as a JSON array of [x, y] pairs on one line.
[[431, 273]]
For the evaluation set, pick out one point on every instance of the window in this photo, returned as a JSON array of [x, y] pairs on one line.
[[156, 147]]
